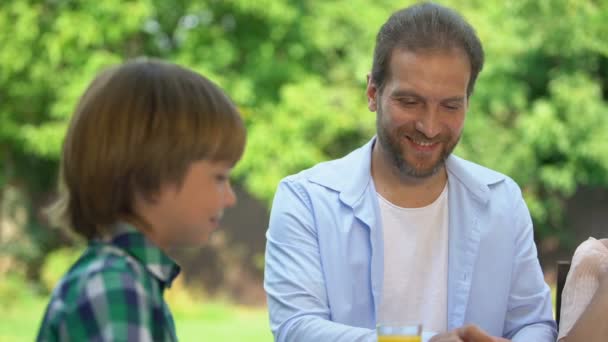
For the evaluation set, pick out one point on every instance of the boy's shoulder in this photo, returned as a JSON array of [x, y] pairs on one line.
[[102, 271], [102, 285]]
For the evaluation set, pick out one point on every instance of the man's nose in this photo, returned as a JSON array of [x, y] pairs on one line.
[[429, 124]]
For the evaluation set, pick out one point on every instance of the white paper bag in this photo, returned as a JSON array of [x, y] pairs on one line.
[[582, 281]]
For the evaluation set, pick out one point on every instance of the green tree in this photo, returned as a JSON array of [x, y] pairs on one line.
[[297, 70]]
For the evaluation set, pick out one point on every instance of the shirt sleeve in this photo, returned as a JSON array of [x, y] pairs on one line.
[[530, 314], [293, 279], [112, 306]]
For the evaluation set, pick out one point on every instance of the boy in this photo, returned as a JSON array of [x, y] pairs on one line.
[[145, 169]]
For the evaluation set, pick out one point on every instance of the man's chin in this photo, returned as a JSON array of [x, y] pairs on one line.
[[421, 172]]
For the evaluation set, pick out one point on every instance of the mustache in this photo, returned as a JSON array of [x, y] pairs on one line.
[[420, 137]]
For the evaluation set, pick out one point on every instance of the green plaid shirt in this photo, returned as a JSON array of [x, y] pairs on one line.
[[114, 292]]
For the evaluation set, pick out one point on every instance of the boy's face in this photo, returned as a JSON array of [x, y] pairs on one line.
[[185, 216]]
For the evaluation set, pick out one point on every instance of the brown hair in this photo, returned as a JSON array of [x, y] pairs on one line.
[[137, 127], [425, 26]]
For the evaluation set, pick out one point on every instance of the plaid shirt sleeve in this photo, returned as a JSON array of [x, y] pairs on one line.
[[111, 306]]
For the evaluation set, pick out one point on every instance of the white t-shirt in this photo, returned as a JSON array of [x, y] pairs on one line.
[[415, 264]]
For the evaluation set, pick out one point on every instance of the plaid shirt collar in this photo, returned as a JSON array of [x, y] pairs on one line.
[[130, 240]]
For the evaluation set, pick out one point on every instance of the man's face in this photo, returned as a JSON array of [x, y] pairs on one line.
[[421, 110]]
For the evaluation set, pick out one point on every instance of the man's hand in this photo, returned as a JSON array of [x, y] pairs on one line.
[[468, 333], [451, 336], [472, 333]]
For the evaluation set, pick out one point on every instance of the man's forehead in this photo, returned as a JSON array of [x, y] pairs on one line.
[[407, 92], [451, 54], [429, 73]]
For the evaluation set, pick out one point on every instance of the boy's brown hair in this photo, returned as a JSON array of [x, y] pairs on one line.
[[137, 127]]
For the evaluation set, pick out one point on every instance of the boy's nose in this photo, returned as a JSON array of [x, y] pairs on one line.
[[230, 199]]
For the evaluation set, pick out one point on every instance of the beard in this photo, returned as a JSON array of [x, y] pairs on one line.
[[390, 141]]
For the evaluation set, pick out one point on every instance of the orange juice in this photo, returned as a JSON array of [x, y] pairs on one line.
[[396, 338]]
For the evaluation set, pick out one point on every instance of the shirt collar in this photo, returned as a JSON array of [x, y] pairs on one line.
[[129, 239], [351, 175]]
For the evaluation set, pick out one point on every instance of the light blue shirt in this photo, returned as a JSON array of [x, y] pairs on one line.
[[324, 255]]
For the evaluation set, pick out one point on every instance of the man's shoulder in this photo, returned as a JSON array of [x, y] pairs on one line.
[[483, 174], [337, 173], [475, 176], [322, 170]]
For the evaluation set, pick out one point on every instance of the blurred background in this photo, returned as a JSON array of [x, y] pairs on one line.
[[297, 70]]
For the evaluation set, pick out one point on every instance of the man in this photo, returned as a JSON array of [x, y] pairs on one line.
[[400, 230]]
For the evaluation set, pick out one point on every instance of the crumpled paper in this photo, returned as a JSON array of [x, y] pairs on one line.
[[582, 281]]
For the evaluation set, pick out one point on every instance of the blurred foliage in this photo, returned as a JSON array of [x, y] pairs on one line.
[[14, 289], [297, 70], [56, 264]]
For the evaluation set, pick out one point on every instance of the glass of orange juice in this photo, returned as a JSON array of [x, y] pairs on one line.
[[399, 333]]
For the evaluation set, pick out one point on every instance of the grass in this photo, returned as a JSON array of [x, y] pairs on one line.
[[218, 322], [22, 306], [195, 319], [20, 320]]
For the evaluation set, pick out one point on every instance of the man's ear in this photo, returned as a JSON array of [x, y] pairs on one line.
[[372, 94]]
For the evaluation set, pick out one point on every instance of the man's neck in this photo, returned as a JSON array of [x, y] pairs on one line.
[[405, 191]]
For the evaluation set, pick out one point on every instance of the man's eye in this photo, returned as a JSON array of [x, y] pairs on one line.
[[452, 107], [409, 102]]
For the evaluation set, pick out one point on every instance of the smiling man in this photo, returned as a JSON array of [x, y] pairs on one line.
[[400, 231]]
